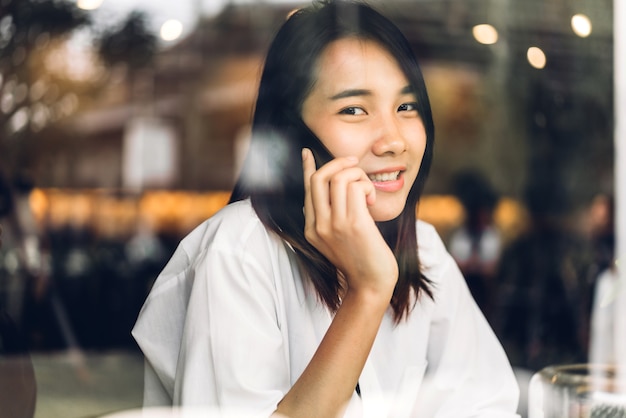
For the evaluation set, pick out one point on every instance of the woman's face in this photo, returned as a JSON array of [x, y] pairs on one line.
[[362, 105]]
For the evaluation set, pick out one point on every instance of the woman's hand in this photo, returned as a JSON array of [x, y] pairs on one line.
[[339, 225]]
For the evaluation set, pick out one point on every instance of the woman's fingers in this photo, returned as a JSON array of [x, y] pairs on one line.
[[361, 194], [336, 196], [328, 189], [320, 182], [349, 189]]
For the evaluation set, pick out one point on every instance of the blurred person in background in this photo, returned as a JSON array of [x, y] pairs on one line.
[[315, 292], [540, 310], [476, 244], [10, 260], [18, 388], [23, 262], [26, 261]]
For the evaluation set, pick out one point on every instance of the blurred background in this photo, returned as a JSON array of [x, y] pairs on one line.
[[123, 124]]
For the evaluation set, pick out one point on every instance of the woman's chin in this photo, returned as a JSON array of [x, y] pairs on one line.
[[384, 214]]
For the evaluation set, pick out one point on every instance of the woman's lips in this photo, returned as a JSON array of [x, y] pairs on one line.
[[388, 181]]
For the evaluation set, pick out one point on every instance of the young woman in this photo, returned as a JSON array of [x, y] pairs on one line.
[[308, 295]]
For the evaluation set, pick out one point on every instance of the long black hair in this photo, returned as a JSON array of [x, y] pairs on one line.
[[272, 172]]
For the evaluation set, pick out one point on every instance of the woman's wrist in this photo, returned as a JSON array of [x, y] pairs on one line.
[[373, 296]]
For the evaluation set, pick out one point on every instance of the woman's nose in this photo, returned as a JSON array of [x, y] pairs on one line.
[[389, 137]]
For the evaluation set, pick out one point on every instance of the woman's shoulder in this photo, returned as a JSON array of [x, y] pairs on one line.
[[228, 230], [235, 215], [230, 227]]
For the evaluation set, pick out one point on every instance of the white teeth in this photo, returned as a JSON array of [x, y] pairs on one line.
[[384, 176]]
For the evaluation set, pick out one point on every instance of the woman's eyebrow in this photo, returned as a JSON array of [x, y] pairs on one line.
[[407, 90], [364, 92], [351, 93]]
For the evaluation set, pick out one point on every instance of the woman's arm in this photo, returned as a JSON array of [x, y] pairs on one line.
[[339, 225], [328, 382]]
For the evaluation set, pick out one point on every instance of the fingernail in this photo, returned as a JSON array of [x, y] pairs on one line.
[[304, 154], [352, 159]]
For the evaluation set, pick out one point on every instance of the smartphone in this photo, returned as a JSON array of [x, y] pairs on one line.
[[310, 140]]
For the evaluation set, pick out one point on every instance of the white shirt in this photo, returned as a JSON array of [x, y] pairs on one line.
[[230, 323]]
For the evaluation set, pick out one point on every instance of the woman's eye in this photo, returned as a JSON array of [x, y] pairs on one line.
[[356, 111], [407, 107]]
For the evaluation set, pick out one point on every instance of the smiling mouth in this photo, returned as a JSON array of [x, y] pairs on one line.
[[381, 177]]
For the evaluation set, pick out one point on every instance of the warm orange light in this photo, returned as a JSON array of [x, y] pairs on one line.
[[115, 216], [178, 212], [39, 205], [511, 217], [443, 211], [69, 209]]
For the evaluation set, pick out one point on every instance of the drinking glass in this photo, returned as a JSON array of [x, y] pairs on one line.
[[578, 391]]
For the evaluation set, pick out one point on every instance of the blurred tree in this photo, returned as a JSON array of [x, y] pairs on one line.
[[28, 99], [47, 72], [131, 46], [131, 43]]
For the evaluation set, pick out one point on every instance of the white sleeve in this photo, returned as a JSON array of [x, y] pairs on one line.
[[233, 352], [468, 372]]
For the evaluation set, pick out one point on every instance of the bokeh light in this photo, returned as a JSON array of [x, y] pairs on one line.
[[171, 30], [581, 25], [485, 34], [88, 4], [536, 57]]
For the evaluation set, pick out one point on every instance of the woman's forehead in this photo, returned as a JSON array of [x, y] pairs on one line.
[[355, 59]]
